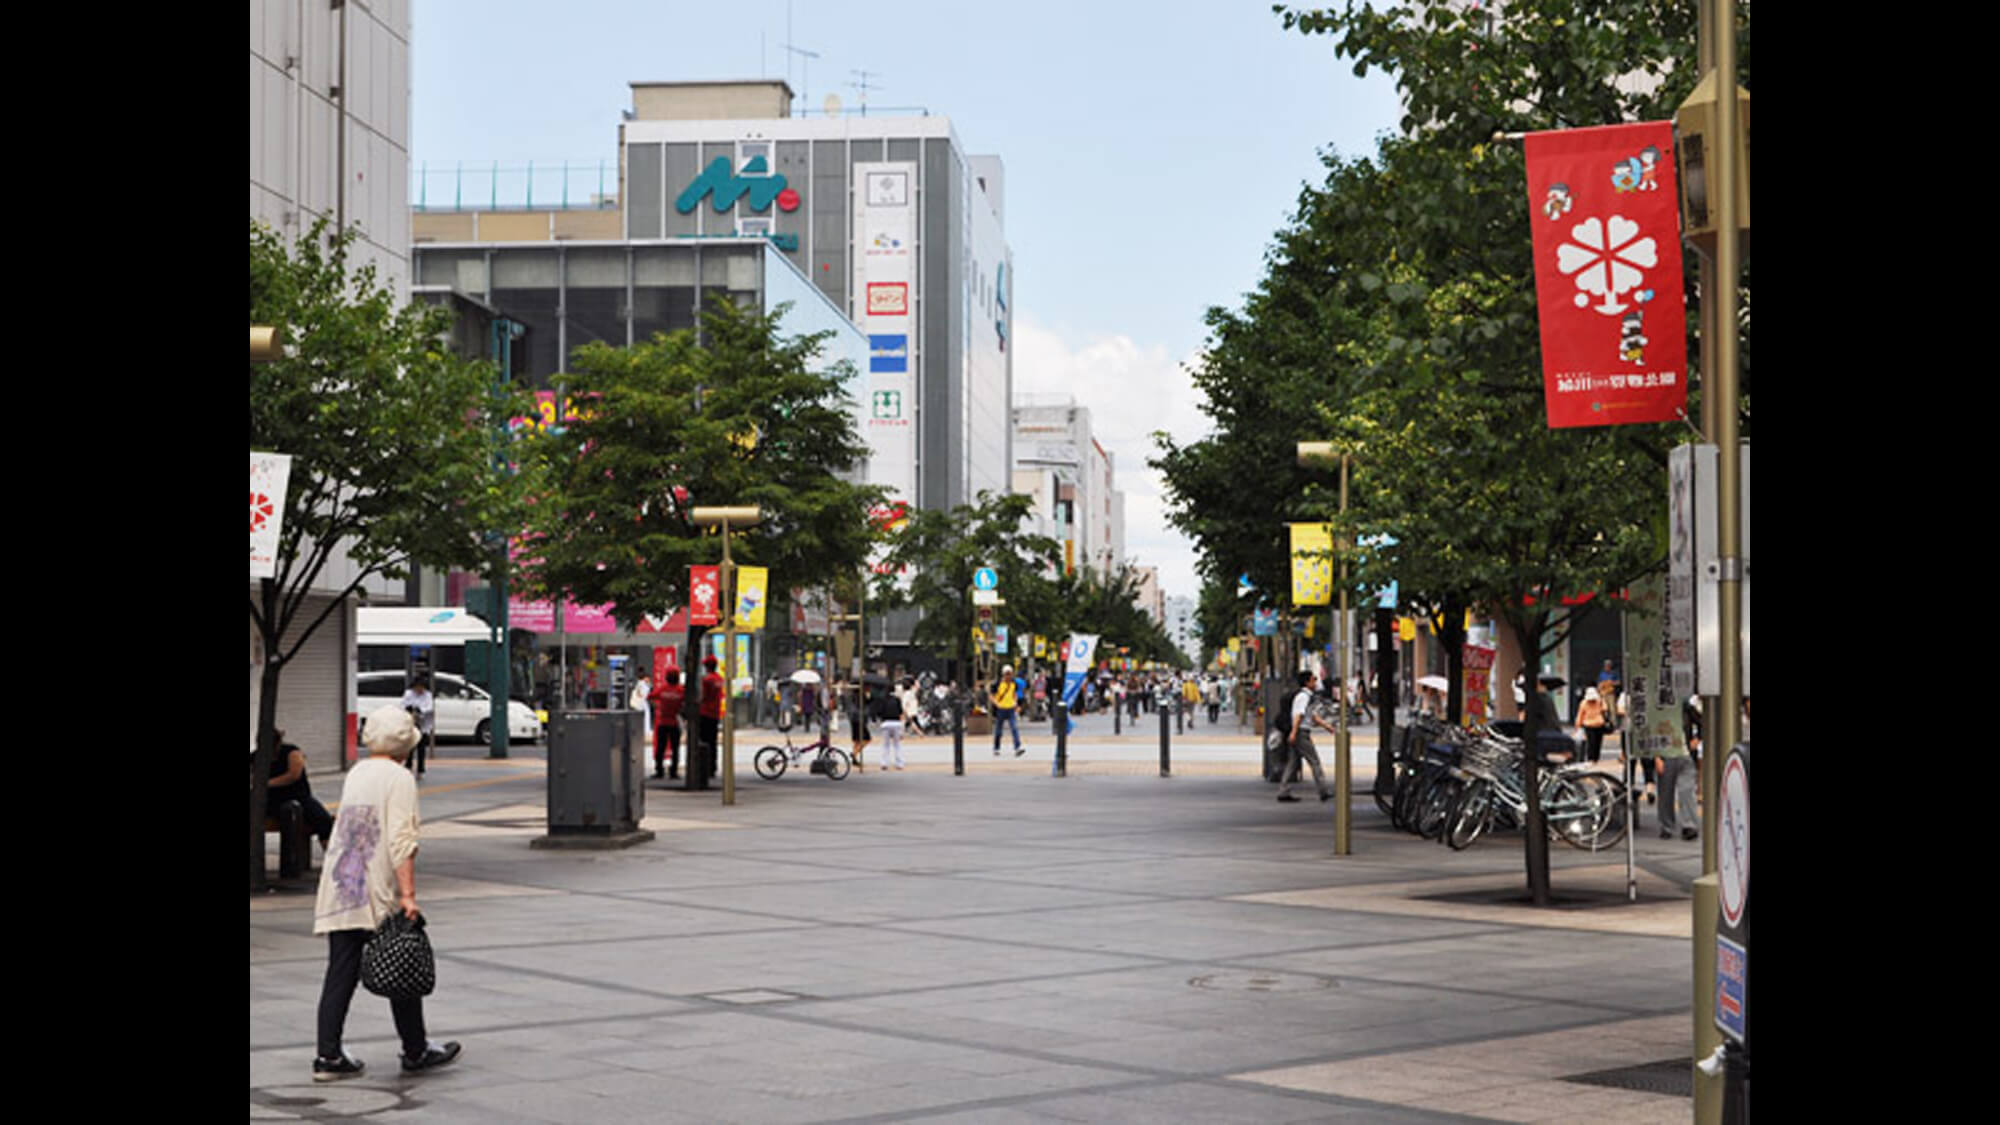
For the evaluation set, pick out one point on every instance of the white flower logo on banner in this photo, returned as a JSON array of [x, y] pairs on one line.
[[1606, 261]]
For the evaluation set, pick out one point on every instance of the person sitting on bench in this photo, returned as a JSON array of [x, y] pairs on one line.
[[288, 783]]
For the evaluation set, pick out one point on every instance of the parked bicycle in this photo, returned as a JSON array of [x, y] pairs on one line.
[[1455, 784], [1580, 807], [827, 759]]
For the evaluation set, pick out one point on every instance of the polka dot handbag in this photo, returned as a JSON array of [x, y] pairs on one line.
[[397, 961]]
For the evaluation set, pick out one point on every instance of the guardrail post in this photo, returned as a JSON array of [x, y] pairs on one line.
[[1061, 768], [957, 740]]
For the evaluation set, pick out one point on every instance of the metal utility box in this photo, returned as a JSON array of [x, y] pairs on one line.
[[597, 770]]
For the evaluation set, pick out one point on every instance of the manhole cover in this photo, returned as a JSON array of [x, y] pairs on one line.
[[1669, 1076], [293, 1103], [1262, 982]]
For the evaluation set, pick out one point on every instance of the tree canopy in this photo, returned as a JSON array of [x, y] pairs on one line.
[[393, 448], [732, 413], [930, 562]]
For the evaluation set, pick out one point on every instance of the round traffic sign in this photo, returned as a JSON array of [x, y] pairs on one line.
[[1732, 844], [985, 578]]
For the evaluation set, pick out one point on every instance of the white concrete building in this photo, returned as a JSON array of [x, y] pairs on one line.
[[1052, 435]]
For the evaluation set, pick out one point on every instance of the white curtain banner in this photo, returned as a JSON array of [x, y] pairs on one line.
[[269, 473]]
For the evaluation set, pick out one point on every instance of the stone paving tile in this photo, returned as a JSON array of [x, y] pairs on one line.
[[998, 947]]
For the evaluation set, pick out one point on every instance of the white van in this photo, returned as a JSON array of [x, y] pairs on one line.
[[383, 637], [459, 709]]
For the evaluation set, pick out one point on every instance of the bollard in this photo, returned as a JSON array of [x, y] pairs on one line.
[[1061, 768], [1117, 718], [1180, 711], [957, 741], [1165, 764]]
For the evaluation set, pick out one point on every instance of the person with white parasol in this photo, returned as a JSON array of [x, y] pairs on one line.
[[1431, 696]]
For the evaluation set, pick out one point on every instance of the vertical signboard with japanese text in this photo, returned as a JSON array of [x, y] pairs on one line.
[[884, 288], [1652, 711], [1606, 220]]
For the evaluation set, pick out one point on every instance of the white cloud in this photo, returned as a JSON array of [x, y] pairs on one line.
[[1131, 390]]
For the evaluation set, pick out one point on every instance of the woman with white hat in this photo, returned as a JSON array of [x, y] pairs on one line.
[[369, 874]]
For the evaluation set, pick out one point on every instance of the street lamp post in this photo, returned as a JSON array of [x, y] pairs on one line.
[[1318, 453], [725, 518]]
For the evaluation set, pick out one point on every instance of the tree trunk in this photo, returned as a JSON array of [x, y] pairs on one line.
[[1537, 843], [1452, 636], [260, 763]]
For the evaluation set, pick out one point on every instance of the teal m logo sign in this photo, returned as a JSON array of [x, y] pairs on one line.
[[728, 186]]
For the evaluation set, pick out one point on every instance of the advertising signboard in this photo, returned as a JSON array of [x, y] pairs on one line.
[[1605, 217]]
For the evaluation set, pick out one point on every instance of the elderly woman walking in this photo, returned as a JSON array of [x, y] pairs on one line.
[[369, 874]]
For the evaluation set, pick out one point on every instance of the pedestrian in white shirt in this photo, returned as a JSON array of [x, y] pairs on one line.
[[637, 702], [419, 702]]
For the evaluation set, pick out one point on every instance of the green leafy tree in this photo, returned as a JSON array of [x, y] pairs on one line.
[[1495, 503], [930, 563], [393, 448], [733, 414], [1107, 605]]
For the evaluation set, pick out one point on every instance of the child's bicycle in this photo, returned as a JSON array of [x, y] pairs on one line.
[[827, 759]]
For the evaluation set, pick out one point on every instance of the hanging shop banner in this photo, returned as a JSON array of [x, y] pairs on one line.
[[1312, 563], [1477, 663], [1081, 648], [1606, 220], [704, 595], [751, 582], [1264, 623], [269, 474]]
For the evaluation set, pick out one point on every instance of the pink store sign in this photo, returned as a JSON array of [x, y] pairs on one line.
[[540, 617]]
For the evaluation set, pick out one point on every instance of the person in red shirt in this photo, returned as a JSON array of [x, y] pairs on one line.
[[666, 699], [711, 710]]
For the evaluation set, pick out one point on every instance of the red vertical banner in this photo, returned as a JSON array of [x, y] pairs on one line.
[[1606, 219], [704, 595]]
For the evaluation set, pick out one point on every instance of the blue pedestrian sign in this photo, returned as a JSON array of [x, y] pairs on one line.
[[985, 579]]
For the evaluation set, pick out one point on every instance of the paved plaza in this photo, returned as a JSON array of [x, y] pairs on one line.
[[1002, 946]]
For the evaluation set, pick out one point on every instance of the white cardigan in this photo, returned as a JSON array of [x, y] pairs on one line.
[[375, 831]]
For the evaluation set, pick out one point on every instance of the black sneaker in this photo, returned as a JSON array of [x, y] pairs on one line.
[[1666, 834], [1286, 797], [1326, 796], [332, 1070], [435, 1055], [1018, 751], [1689, 833]]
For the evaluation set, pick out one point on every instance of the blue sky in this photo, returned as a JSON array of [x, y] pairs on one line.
[[1151, 152]]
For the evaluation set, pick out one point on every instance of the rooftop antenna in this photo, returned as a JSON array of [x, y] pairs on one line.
[[806, 57], [864, 86], [805, 66]]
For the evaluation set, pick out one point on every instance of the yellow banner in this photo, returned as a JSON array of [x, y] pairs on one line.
[[1312, 563], [751, 582]]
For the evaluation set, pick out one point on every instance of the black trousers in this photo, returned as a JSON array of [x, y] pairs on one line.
[[1593, 743], [343, 973], [319, 822], [711, 738], [666, 746]]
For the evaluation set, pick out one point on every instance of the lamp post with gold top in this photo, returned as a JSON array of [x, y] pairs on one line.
[[726, 518]]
